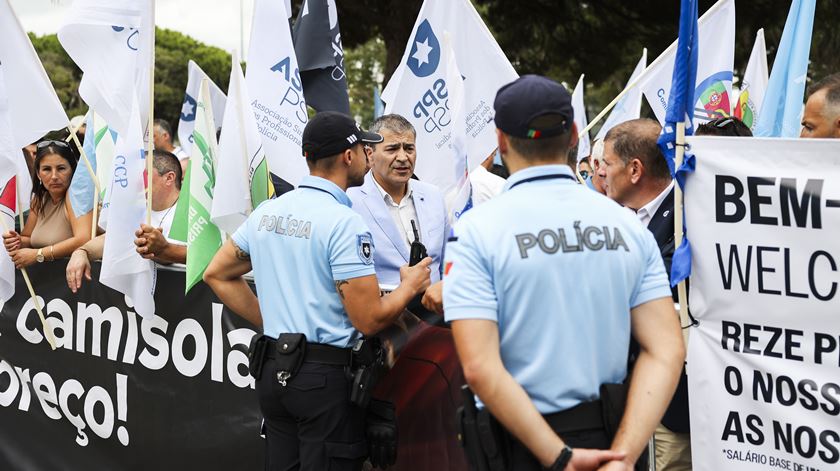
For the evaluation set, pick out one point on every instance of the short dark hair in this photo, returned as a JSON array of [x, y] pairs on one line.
[[164, 126], [637, 139], [394, 123], [726, 126], [545, 148], [166, 162], [831, 85]]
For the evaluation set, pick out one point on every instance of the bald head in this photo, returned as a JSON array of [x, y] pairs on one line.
[[821, 117]]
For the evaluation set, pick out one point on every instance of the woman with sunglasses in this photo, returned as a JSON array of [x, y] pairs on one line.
[[52, 230]]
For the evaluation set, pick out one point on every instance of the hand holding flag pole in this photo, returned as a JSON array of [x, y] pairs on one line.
[[48, 332]]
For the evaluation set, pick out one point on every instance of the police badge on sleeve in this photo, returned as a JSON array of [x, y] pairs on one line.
[[364, 244]]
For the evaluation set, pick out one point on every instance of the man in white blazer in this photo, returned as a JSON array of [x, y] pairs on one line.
[[393, 204]]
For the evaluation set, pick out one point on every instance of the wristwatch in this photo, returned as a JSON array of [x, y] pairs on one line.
[[562, 460], [39, 257]]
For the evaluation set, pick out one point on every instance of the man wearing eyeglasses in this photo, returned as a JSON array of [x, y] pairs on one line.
[[821, 117]]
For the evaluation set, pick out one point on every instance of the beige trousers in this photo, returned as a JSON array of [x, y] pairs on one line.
[[673, 450]]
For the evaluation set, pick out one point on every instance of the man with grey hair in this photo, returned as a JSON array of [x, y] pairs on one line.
[[821, 117], [399, 210]]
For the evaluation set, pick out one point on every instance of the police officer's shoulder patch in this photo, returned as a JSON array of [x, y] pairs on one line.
[[364, 246]]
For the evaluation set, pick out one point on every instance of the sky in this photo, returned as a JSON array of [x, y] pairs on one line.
[[214, 22]]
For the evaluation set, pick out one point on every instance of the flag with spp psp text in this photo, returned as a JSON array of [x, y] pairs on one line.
[[418, 88]]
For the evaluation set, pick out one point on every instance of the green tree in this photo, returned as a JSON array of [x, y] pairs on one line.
[[173, 50]]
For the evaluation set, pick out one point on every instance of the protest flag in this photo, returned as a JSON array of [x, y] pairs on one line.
[[781, 109], [242, 179], [713, 92], [418, 88], [111, 41], [275, 87], [123, 269], [678, 124], [32, 102], [378, 106], [459, 198], [8, 208], [753, 84], [580, 120], [188, 109], [629, 106], [203, 238], [82, 191], [320, 56]]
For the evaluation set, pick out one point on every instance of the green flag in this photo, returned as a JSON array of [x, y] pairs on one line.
[[178, 231], [203, 237]]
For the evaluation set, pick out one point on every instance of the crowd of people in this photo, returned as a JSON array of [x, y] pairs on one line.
[[556, 292]]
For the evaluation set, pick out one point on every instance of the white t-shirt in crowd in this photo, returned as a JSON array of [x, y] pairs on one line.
[[485, 185]]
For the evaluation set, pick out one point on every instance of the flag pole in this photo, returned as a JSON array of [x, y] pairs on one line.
[[19, 207], [243, 143], [93, 177], [679, 224], [48, 333], [150, 156], [719, 4]]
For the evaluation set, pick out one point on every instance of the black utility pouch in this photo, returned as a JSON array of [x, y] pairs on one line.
[[256, 355], [613, 402], [290, 351]]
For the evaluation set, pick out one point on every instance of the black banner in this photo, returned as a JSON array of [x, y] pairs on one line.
[[173, 391], [120, 391]]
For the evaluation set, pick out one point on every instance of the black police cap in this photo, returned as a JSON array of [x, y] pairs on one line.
[[329, 133], [529, 97]]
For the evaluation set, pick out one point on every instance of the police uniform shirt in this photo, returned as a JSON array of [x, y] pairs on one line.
[[300, 244], [558, 267]]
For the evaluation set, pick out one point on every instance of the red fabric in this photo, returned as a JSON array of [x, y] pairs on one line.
[[425, 385]]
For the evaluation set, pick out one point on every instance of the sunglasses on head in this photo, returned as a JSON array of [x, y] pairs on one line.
[[722, 122], [48, 143]]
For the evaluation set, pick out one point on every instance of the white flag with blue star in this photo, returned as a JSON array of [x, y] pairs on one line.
[[188, 109], [418, 89]]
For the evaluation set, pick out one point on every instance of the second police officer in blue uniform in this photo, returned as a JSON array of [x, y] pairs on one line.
[[312, 258], [544, 285]]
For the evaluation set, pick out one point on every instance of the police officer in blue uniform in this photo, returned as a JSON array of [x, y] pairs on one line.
[[317, 294], [544, 285]]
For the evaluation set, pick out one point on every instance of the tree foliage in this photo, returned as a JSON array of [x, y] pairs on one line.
[[172, 52], [602, 38]]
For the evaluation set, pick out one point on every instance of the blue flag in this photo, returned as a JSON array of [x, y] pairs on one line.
[[781, 111], [82, 187], [378, 106], [681, 109]]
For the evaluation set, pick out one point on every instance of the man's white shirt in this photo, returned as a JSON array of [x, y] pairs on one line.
[[646, 212], [402, 213]]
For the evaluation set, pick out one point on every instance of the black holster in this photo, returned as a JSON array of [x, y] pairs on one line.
[[256, 355], [484, 442], [367, 366]]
